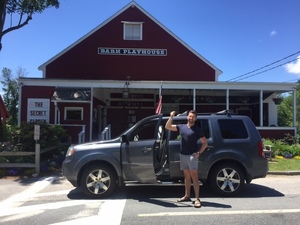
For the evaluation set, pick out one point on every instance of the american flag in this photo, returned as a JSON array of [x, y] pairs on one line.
[[159, 105]]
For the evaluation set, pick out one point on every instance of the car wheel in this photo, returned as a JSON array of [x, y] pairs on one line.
[[226, 180], [98, 181]]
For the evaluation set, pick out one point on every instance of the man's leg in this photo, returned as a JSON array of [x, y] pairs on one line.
[[194, 176], [187, 183]]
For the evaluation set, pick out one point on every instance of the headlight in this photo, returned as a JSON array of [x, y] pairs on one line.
[[70, 151]]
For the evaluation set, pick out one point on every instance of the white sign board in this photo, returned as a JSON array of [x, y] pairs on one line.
[[36, 132], [38, 110]]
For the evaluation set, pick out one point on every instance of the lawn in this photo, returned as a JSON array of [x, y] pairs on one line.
[[278, 164]]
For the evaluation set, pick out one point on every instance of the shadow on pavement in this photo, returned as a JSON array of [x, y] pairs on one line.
[[144, 193]]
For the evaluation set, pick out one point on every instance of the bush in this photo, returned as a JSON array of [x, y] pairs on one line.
[[286, 147], [22, 137]]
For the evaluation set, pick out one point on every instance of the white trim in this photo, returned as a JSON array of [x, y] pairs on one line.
[[200, 85], [140, 37], [73, 109], [69, 101]]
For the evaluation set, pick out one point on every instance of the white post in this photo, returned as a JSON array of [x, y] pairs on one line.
[[227, 99], [37, 157], [37, 149], [261, 107], [194, 99]]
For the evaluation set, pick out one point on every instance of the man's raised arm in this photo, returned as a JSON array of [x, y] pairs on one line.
[[169, 125]]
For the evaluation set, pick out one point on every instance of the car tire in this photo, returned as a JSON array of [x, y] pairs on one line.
[[98, 181], [226, 180]]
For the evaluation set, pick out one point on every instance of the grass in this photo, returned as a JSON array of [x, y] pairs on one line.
[[278, 164]]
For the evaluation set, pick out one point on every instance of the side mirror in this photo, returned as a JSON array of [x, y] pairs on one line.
[[124, 138]]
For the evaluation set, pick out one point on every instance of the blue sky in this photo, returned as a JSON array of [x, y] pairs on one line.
[[236, 36]]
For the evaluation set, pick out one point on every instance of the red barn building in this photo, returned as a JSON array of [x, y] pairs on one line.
[[112, 77]]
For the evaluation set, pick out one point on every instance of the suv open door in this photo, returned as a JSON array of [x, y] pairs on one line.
[[138, 150]]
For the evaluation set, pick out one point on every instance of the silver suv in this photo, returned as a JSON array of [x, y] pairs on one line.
[[148, 153]]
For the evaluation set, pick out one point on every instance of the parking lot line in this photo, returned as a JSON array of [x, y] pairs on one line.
[[268, 211]]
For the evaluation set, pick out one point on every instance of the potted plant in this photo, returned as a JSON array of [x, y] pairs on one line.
[[277, 100]]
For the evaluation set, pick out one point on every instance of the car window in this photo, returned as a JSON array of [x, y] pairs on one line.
[[233, 129], [204, 126], [202, 123], [144, 132]]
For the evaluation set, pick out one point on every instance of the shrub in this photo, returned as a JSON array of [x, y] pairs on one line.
[[283, 148], [22, 137]]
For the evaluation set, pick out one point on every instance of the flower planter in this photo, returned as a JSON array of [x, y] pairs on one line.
[[277, 101]]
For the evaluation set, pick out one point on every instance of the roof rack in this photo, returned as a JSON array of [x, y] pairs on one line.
[[224, 112], [183, 114]]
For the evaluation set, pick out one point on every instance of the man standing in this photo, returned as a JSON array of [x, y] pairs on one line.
[[190, 133]]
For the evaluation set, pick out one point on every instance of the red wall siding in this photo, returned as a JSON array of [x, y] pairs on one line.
[[83, 61]]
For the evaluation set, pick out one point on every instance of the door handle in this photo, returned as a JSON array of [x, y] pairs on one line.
[[145, 149]]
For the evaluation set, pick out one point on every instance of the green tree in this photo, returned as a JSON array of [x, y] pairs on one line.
[[24, 9], [285, 110], [11, 93]]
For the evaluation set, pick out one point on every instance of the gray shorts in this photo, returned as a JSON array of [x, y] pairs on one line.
[[187, 164]]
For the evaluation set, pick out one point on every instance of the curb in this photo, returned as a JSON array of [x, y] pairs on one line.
[[283, 173]]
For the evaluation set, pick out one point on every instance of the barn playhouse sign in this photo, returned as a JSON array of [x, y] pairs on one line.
[[132, 51]]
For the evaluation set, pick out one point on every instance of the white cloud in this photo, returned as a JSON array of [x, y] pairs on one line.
[[293, 67], [273, 32]]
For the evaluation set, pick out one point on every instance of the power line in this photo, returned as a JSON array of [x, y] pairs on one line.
[[264, 67], [266, 70], [292, 80]]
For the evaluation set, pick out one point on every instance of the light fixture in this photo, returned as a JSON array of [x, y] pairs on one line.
[[126, 88]]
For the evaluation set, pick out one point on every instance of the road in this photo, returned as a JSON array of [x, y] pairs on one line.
[[52, 200]]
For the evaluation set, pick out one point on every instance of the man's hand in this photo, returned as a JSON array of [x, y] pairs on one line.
[[172, 114]]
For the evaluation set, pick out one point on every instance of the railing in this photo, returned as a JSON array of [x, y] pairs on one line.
[[276, 132], [81, 137], [81, 134], [106, 133], [37, 153]]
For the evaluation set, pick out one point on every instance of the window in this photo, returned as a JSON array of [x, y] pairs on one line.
[[144, 132], [233, 129], [132, 30], [73, 113], [204, 126]]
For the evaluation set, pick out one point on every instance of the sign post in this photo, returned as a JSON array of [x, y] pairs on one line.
[[37, 148]]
